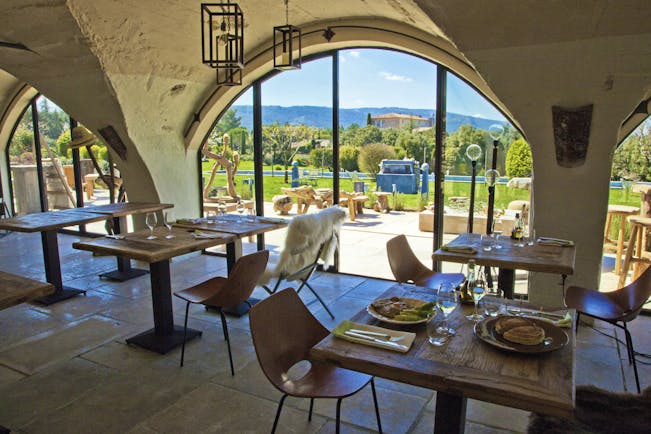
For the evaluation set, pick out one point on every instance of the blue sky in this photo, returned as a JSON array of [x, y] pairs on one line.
[[372, 78]]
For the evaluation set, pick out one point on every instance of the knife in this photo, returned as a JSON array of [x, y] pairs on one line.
[[372, 339]]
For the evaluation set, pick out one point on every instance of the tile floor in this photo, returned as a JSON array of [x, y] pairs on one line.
[[66, 368]]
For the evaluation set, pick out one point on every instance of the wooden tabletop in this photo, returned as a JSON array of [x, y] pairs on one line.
[[120, 209], [538, 257], [231, 224], [135, 245], [17, 289], [465, 365], [50, 220]]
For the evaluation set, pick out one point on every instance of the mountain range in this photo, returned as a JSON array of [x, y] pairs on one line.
[[321, 117]]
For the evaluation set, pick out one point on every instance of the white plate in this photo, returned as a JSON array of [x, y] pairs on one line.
[[371, 311]]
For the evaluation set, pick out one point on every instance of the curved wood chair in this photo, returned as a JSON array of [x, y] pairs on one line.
[[615, 307], [283, 332], [223, 292], [406, 267]]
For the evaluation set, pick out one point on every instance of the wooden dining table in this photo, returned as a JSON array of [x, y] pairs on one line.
[[464, 367], [47, 223], [240, 227], [118, 212], [157, 252], [535, 257]]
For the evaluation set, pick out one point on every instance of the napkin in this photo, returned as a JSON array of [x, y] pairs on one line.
[[459, 249], [201, 234], [189, 221], [345, 331], [547, 241], [270, 220]]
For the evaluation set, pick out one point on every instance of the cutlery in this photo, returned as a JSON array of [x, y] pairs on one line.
[[377, 335], [376, 340]]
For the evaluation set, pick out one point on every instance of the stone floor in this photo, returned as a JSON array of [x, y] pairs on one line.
[[66, 368]]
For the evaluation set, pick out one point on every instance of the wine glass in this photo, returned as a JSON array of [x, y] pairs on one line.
[[151, 220], [169, 221], [496, 237], [221, 207], [477, 294], [446, 302], [240, 210]]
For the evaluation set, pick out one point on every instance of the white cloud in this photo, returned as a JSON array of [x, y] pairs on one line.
[[394, 77], [354, 53]]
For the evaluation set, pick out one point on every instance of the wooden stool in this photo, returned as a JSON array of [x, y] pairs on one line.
[[639, 225], [382, 204], [623, 212]]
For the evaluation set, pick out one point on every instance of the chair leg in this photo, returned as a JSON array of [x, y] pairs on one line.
[[631, 357], [377, 409], [185, 331], [338, 420], [228, 340], [280, 407], [309, 416], [576, 326], [319, 298]]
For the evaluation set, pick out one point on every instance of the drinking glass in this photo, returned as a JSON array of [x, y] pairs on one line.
[[151, 220], [168, 219], [446, 302], [532, 236], [240, 210], [496, 239], [437, 332], [493, 302], [221, 207], [486, 243], [477, 294]]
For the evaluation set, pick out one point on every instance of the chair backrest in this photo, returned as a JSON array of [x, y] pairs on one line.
[[404, 263], [283, 331], [241, 280], [632, 297]]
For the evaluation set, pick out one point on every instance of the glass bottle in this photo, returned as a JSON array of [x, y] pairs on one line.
[[471, 282], [518, 229]]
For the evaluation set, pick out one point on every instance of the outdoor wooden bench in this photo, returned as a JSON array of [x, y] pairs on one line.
[[354, 202], [305, 196]]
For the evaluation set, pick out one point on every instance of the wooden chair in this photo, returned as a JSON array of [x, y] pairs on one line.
[[620, 306], [283, 332], [406, 267], [223, 292]]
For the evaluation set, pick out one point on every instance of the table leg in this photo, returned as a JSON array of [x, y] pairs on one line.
[[506, 281], [450, 414], [620, 244], [124, 271], [52, 264], [233, 253], [165, 335]]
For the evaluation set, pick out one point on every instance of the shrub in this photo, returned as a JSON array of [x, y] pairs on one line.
[[371, 155], [519, 162], [348, 157]]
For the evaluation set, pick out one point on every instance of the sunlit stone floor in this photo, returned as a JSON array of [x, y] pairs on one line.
[[66, 368]]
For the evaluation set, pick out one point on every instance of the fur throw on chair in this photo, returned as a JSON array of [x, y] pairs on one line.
[[305, 235], [600, 411]]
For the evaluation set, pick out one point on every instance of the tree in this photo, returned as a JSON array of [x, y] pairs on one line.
[[518, 159], [413, 144], [455, 148], [348, 157], [632, 159], [371, 155], [321, 158], [369, 119], [390, 136], [285, 141]]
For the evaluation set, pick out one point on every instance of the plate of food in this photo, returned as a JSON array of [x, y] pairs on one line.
[[521, 335], [401, 310]]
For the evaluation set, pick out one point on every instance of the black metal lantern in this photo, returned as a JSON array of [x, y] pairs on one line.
[[287, 38], [222, 41]]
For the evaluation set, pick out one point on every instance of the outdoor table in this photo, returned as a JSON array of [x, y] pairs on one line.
[[621, 211], [18, 289], [119, 211], [241, 228], [537, 257], [158, 252], [47, 223], [462, 368]]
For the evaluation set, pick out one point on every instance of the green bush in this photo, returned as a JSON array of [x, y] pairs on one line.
[[348, 157], [62, 142], [519, 162], [372, 154]]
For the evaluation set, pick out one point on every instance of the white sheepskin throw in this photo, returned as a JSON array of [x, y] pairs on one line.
[[305, 235]]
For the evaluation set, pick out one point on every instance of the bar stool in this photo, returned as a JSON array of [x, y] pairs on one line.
[[635, 253], [622, 211]]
